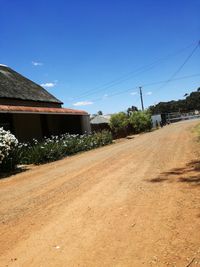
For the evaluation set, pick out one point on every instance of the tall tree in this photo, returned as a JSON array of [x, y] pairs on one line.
[[190, 103]]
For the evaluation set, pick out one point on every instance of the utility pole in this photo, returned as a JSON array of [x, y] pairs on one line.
[[141, 98]]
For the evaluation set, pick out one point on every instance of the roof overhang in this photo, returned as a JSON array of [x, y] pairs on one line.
[[40, 110]]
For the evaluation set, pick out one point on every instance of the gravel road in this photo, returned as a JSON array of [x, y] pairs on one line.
[[134, 203]]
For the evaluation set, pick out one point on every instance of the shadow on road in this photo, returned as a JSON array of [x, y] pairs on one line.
[[189, 174], [4, 175]]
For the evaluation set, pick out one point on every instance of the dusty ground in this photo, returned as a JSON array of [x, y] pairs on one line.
[[135, 203]]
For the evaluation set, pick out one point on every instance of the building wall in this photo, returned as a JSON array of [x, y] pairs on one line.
[[27, 126], [85, 124], [6, 121], [28, 103], [156, 119], [100, 127], [59, 124]]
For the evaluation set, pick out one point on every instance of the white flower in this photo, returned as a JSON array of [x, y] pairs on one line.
[[7, 142]]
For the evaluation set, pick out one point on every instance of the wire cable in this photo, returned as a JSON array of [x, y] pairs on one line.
[[130, 75], [144, 85], [181, 67]]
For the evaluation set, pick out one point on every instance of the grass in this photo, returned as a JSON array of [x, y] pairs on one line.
[[197, 132]]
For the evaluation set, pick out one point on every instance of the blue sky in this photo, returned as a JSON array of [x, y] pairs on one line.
[[76, 48]]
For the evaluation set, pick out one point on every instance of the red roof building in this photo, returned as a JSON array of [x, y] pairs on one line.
[[29, 111]]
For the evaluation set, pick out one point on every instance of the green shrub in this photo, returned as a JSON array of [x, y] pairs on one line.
[[57, 147], [119, 124], [140, 121]]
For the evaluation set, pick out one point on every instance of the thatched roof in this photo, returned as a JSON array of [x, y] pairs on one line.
[[15, 86]]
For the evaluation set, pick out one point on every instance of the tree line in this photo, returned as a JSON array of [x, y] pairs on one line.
[[190, 103]]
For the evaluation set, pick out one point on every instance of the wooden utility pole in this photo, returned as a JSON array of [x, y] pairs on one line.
[[141, 97]]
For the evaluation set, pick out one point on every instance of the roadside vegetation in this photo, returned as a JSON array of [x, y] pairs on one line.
[[119, 124], [13, 153], [8, 144], [198, 132], [50, 149], [123, 124]]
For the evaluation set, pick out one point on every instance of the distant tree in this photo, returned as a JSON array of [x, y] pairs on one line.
[[190, 103], [99, 112], [131, 110]]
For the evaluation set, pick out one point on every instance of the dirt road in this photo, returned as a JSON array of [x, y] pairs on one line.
[[135, 203]]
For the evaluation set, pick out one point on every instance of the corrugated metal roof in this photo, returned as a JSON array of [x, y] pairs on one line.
[[40, 110], [99, 119]]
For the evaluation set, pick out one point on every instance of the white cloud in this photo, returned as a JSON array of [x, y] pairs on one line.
[[133, 93], [83, 103], [149, 93], [35, 63], [48, 85]]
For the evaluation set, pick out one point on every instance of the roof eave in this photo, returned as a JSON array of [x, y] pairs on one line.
[[47, 113], [40, 110], [33, 100]]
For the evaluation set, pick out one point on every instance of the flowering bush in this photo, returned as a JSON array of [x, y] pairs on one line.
[[8, 142], [57, 147], [50, 149]]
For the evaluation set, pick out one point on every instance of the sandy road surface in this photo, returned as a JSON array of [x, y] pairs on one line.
[[135, 203]]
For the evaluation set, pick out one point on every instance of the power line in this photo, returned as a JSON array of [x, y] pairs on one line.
[[179, 69], [130, 75], [176, 79], [154, 83], [146, 85], [181, 66]]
